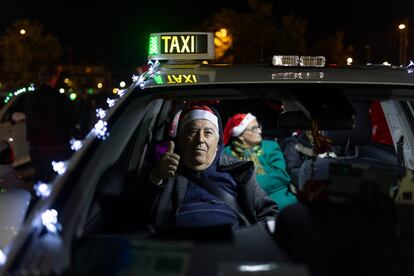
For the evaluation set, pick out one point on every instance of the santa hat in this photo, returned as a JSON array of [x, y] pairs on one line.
[[236, 125], [201, 112]]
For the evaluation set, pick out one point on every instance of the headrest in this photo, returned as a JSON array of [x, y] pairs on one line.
[[298, 120], [360, 134]]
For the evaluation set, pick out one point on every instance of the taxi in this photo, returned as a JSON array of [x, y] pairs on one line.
[[361, 223]]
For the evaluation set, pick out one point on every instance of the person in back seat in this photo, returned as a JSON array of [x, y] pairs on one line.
[[242, 135], [299, 147], [296, 150]]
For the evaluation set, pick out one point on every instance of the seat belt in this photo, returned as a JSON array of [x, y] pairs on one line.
[[400, 158], [221, 194]]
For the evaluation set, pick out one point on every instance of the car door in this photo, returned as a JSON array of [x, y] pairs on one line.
[[13, 128], [399, 115]]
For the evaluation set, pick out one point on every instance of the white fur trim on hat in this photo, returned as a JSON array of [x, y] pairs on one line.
[[237, 130], [200, 115]]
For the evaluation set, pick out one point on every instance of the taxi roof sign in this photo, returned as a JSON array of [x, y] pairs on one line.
[[305, 61], [181, 46]]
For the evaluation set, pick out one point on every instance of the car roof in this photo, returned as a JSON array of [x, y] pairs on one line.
[[167, 75]]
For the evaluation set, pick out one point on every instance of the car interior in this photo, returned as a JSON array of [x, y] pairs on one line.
[[350, 218]]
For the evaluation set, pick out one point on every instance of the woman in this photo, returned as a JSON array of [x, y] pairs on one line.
[[243, 138]]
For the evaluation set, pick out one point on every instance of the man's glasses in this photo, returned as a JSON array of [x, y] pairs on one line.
[[254, 129]]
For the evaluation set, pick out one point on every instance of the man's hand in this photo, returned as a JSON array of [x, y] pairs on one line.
[[166, 166]]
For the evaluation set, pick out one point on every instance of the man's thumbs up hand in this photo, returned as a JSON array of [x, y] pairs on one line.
[[166, 166]]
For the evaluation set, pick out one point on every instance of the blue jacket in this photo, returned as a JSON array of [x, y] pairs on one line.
[[252, 199]]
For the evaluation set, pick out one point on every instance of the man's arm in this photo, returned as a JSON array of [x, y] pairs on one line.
[[264, 206], [293, 159]]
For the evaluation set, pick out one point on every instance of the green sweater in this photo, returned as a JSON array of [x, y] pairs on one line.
[[275, 182]]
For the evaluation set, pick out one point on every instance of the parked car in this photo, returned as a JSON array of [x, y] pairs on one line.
[[90, 223], [13, 126]]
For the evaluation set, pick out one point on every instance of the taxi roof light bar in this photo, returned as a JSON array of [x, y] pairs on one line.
[[309, 61], [181, 46], [285, 60], [304, 61]]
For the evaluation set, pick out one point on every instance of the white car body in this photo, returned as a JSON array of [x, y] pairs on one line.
[[14, 131]]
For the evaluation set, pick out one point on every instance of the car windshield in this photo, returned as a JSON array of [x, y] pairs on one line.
[[342, 150]]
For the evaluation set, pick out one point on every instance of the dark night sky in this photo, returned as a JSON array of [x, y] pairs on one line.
[[115, 33]]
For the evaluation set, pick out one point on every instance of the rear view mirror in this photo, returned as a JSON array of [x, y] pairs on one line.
[[328, 107], [298, 120]]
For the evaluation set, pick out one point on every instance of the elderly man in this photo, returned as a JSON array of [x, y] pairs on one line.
[[199, 186]]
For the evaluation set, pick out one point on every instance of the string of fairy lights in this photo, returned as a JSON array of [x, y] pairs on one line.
[[10, 95], [49, 217]]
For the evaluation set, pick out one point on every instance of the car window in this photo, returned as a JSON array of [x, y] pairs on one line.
[[17, 106]]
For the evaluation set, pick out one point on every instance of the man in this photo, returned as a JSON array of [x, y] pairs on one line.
[[200, 186], [51, 119]]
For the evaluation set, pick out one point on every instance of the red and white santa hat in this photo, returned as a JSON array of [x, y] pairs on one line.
[[236, 125], [201, 112]]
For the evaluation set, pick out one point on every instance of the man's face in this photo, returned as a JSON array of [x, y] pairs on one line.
[[198, 141]]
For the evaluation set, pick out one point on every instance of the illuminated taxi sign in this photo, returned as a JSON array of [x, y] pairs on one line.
[[182, 76], [181, 46], [306, 61], [176, 79]]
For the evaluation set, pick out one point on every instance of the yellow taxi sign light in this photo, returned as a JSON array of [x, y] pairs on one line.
[[285, 60], [181, 46], [318, 61], [181, 76], [305, 61]]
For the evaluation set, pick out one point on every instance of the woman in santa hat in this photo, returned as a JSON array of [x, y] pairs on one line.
[[243, 138]]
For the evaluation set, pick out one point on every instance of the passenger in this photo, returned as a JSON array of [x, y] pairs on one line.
[[300, 147], [51, 122], [195, 185], [297, 149], [243, 138]]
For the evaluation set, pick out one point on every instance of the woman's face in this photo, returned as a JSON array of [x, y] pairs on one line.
[[252, 135]]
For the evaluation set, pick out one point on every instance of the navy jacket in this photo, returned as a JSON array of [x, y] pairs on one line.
[[50, 117], [251, 197]]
